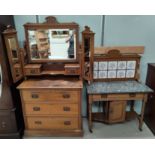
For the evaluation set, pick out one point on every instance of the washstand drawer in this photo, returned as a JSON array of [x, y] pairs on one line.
[[50, 95], [52, 123], [51, 109], [117, 97]]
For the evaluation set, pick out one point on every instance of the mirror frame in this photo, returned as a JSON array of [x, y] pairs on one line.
[[51, 23], [1, 79], [12, 33]]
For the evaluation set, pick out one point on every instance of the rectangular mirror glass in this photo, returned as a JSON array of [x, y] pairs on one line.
[[52, 44], [13, 47]]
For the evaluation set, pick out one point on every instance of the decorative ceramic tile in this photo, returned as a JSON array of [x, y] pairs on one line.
[[95, 74], [102, 74], [121, 64], [96, 65], [103, 66], [131, 64], [130, 73], [112, 65], [121, 73], [112, 74]]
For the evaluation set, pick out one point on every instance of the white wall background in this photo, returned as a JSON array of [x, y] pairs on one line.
[[118, 30], [132, 30], [20, 20]]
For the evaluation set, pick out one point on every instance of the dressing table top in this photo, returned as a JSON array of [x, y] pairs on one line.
[[51, 83]]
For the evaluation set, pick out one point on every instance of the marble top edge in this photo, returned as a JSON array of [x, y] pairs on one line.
[[118, 87]]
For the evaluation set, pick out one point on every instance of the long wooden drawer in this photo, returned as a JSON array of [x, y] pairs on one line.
[[51, 123], [118, 97], [50, 95], [51, 109]]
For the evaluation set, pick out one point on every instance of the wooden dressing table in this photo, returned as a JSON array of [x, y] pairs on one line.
[[116, 91], [51, 91]]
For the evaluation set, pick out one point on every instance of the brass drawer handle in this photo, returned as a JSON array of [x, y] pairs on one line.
[[32, 71], [36, 108], [104, 96], [132, 94], [17, 71], [17, 75], [66, 108], [66, 95], [3, 124], [38, 122], [67, 123], [72, 71], [35, 96]]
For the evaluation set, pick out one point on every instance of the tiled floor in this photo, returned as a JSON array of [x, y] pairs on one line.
[[127, 130]]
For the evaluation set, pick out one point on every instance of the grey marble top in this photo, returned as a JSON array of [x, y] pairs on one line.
[[117, 87]]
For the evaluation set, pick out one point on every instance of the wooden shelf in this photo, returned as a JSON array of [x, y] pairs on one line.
[[52, 72], [33, 66]]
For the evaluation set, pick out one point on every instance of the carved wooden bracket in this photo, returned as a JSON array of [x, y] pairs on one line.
[[88, 30], [9, 29], [114, 53]]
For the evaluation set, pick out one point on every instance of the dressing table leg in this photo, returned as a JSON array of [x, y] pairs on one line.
[[90, 101], [142, 112]]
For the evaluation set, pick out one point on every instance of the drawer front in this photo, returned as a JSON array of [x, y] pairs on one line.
[[32, 71], [72, 71], [7, 121], [51, 109], [51, 96], [51, 123], [131, 96]]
